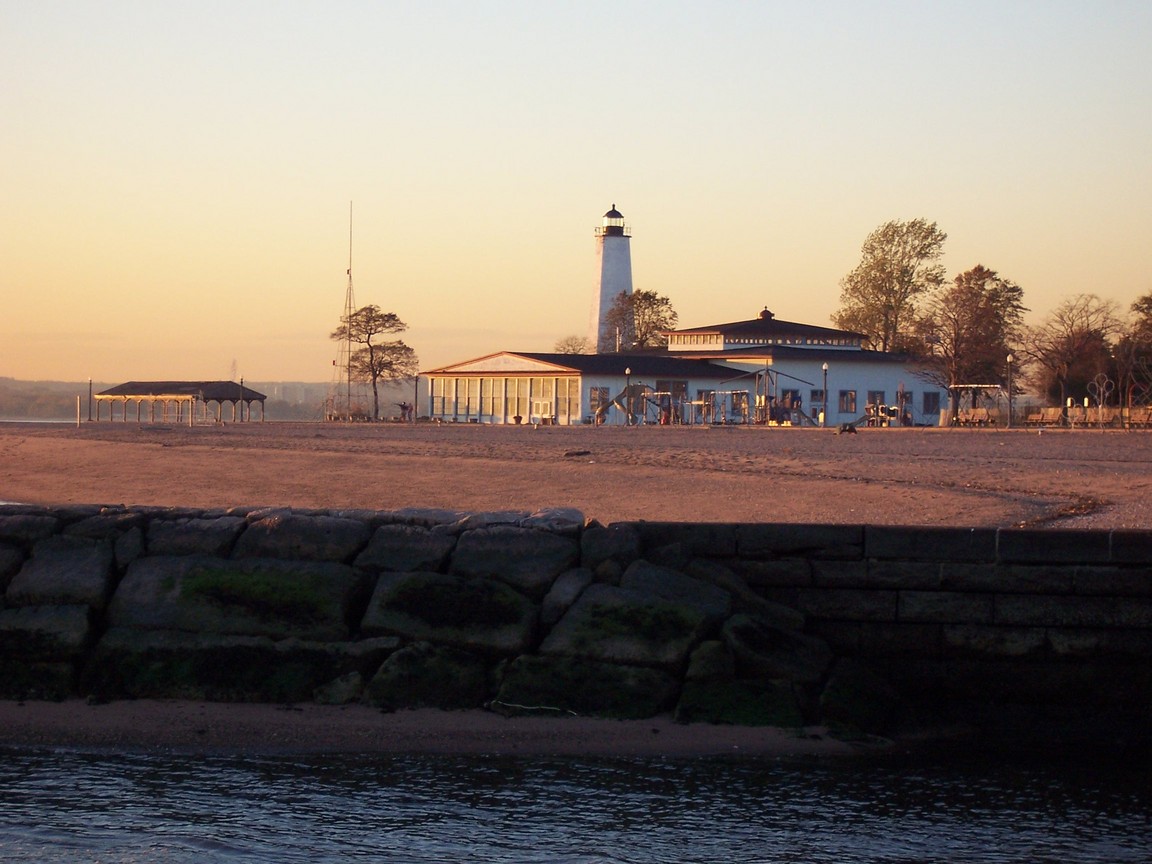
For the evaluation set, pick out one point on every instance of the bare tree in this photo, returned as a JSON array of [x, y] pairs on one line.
[[1072, 345], [1133, 355], [899, 263], [641, 319], [573, 345], [374, 361]]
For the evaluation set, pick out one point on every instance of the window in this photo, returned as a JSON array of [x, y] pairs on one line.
[[491, 396], [931, 402], [789, 398], [876, 397], [847, 402], [597, 400], [443, 397], [816, 400]]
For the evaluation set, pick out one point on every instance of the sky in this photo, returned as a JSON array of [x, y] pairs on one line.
[[176, 179]]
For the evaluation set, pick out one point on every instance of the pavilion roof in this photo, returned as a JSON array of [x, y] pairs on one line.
[[208, 391]]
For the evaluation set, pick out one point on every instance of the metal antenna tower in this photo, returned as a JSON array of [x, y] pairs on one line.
[[343, 362]]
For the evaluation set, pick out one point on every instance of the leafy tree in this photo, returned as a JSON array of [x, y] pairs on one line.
[[1072, 345], [899, 263], [375, 361], [969, 327], [573, 345], [641, 318]]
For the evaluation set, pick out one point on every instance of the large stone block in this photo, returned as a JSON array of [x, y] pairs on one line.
[[565, 591], [1036, 545], [407, 548], [64, 570], [945, 607], [744, 599], [194, 536], [764, 651], [164, 664], [259, 597], [423, 675], [676, 587], [619, 542], [973, 640], [848, 604], [1132, 547], [299, 537], [715, 539], [857, 701], [620, 625], [109, 524], [571, 685], [27, 527], [11, 560], [526, 559], [930, 543], [1122, 581], [480, 615], [45, 633], [1059, 611], [788, 540]]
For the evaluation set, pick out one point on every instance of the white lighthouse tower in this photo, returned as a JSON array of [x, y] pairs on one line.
[[614, 255]]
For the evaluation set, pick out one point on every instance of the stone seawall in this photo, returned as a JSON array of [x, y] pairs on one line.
[[867, 630]]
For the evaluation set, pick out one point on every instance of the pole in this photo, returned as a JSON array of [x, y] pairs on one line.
[[1009, 391], [824, 406]]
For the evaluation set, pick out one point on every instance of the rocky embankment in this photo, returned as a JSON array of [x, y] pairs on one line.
[[521, 613]]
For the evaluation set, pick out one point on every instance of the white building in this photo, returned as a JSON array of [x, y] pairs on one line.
[[614, 257], [824, 370], [762, 370], [758, 371]]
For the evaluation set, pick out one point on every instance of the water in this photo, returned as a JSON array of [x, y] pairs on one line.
[[105, 807]]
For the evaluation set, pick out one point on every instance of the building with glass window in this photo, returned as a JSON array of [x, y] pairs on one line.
[[762, 371], [826, 371]]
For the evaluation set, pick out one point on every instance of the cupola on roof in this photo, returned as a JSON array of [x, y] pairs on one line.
[[613, 213]]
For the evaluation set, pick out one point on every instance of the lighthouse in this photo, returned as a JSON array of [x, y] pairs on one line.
[[614, 257]]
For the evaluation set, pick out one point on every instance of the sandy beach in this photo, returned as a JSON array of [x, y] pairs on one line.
[[959, 477], [994, 478], [201, 727]]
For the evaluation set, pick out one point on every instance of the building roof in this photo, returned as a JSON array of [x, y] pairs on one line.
[[754, 353], [207, 391], [658, 363], [768, 327]]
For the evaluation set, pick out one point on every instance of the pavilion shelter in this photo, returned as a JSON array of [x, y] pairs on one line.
[[178, 402]]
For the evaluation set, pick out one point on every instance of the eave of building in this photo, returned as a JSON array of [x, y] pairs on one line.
[[659, 363], [769, 328], [773, 353], [204, 390]]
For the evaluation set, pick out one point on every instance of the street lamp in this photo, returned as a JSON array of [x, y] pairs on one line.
[[824, 407], [627, 395], [1009, 358]]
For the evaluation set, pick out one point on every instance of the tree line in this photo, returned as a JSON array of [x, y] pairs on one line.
[[963, 331], [959, 332]]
